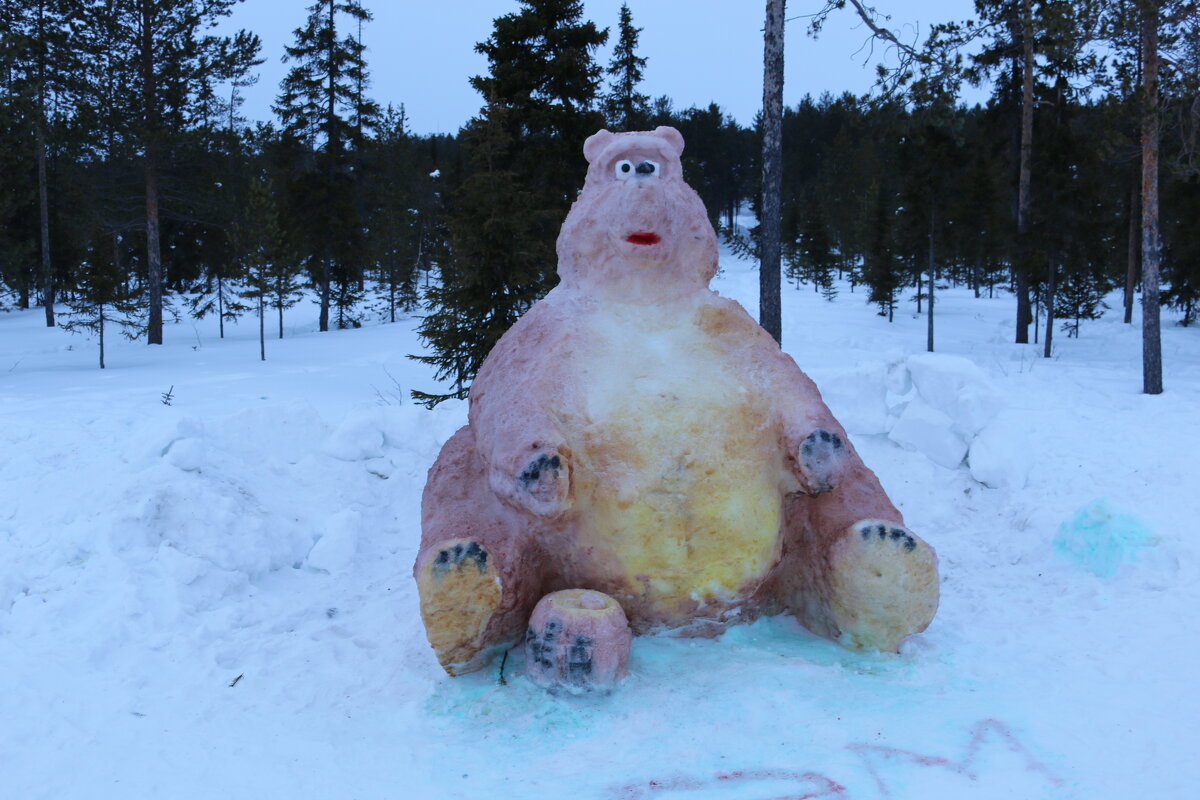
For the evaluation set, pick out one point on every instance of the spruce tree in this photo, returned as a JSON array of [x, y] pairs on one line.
[[326, 114], [625, 108], [102, 298], [394, 217], [880, 266], [271, 274], [524, 150], [813, 258]]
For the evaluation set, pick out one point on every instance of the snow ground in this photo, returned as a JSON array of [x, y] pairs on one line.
[[214, 598]]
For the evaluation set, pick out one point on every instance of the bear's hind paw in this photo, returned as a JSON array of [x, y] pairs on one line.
[[883, 585], [459, 593]]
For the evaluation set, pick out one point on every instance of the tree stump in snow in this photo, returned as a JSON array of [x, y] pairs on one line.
[[578, 641]]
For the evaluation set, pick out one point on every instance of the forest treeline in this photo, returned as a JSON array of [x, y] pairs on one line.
[[134, 189]]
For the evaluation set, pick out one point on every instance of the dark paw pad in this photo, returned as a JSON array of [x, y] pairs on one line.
[[821, 456], [540, 478], [879, 532], [459, 556]]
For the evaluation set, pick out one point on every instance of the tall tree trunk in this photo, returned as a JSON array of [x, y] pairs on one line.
[[154, 330], [769, 315], [102, 336], [1021, 276], [330, 173], [1134, 250], [47, 274], [1151, 343], [262, 326], [220, 306], [1051, 286], [932, 279]]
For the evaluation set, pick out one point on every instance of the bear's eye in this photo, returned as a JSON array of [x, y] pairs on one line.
[[624, 168], [647, 168]]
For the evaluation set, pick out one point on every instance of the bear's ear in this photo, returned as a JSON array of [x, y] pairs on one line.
[[595, 143], [672, 137]]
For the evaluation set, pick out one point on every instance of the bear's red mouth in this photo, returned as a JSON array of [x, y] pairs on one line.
[[643, 237]]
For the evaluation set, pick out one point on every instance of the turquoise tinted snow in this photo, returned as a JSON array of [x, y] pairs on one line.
[[1101, 536]]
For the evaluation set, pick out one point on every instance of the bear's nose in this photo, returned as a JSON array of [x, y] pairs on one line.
[[645, 168]]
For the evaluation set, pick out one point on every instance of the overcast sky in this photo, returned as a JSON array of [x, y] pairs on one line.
[[421, 53]]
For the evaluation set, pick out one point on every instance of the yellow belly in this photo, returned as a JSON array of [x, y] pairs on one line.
[[680, 470]]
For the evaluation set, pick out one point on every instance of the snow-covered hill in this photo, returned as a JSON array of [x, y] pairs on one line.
[[214, 597]]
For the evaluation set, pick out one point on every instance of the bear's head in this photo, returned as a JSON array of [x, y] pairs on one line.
[[637, 228]]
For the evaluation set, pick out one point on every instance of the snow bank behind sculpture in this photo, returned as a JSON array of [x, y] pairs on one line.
[[942, 406]]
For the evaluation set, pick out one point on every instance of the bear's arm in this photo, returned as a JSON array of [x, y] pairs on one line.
[[794, 399], [518, 400]]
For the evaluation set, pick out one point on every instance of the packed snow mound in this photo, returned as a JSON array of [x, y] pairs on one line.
[[958, 388], [950, 403], [931, 431], [937, 405], [1000, 456]]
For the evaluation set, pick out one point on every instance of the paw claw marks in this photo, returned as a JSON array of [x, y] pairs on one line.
[[459, 556], [542, 463], [884, 532], [820, 456], [540, 646], [459, 593], [544, 479], [542, 649]]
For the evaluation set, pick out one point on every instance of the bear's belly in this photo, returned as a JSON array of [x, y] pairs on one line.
[[678, 485]]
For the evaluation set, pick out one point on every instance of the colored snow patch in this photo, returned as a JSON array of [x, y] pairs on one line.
[[1101, 537]]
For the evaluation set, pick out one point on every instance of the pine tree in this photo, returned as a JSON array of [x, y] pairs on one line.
[[772, 170], [166, 64], [525, 153], [18, 190], [43, 67], [813, 258], [325, 112], [880, 268], [1080, 296], [394, 216], [625, 108], [271, 275], [101, 298], [1027, 35], [495, 270]]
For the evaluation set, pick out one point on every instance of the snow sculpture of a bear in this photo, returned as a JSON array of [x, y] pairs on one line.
[[637, 434]]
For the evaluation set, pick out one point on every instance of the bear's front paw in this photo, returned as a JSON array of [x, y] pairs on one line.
[[822, 455], [544, 486]]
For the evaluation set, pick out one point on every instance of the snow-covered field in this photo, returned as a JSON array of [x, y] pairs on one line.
[[213, 598]]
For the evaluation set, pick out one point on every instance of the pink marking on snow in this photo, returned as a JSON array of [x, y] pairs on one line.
[[818, 784], [966, 766]]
